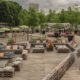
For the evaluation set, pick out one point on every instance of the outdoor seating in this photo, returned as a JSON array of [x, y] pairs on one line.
[[7, 55], [39, 39], [19, 59], [15, 51], [32, 41], [50, 48], [2, 46], [18, 51], [38, 49], [62, 49], [17, 65], [8, 71], [15, 47], [33, 44], [3, 63], [24, 54], [20, 45], [1, 55], [1, 72], [8, 47]]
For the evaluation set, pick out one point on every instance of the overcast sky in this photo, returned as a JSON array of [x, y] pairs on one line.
[[48, 4]]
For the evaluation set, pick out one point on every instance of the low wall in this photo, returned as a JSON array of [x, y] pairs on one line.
[[60, 70]]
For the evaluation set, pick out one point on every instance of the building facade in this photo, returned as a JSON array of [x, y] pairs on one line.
[[34, 5]]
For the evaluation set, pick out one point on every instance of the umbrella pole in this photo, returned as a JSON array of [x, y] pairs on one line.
[[27, 36]]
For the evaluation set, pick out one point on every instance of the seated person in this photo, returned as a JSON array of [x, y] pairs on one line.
[[49, 45], [73, 43]]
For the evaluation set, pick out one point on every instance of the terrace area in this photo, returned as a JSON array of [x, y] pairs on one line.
[[38, 66]]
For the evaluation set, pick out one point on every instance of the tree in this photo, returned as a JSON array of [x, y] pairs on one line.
[[42, 19], [50, 16], [33, 19], [9, 11], [62, 16], [23, 17]]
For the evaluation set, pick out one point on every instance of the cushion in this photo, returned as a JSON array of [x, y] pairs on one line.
[[1, 55]]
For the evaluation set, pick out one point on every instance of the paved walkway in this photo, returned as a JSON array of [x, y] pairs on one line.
[[73, 73], [38, 66]]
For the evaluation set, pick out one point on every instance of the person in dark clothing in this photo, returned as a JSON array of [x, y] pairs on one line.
[[70, 37], [76, 31], [43, 32], [56, 34]]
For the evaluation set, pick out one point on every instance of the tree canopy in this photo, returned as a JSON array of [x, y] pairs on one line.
[[13, 14], [9, 11]]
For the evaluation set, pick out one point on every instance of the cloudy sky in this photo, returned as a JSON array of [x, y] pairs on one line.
[[49, 4]]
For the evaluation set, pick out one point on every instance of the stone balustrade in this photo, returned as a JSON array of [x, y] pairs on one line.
[[60, 70]]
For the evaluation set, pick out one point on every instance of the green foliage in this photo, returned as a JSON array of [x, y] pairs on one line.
[[42, 17], [62, 16], [33, 19], [53, 17], [13, 14], [10, 41], [50, 16], [23, 17], [9, 12]]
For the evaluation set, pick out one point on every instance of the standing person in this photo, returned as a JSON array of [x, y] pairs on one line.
[[43, 31], [28, 46], [15, 37], [70, 37]]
